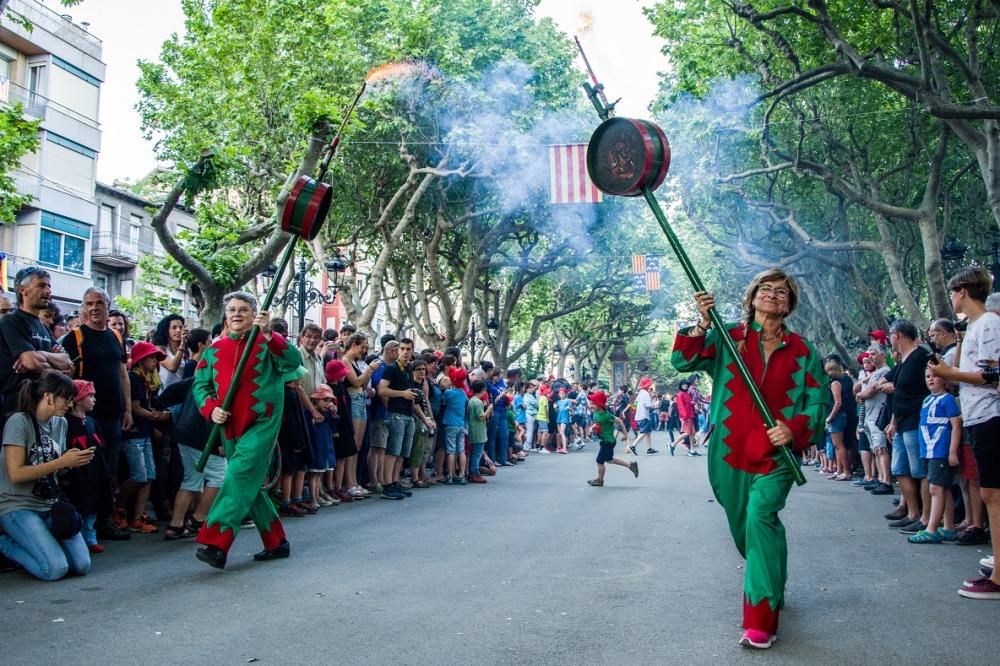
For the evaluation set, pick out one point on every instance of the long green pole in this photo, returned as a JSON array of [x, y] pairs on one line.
[[227, 402], [786, 456]]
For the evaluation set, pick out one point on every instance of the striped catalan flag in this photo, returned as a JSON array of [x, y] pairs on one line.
[[569, 181], [652, 272], [638, 264]]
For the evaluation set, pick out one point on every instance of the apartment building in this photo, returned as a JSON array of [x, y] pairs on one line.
[[55, 72], [123, 235]]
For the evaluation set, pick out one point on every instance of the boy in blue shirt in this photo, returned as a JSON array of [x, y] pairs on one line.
[[453, 406], [940, 436]]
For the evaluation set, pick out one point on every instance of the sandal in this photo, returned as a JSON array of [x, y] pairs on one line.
[[421, 484], [174, 533], [923, 536]]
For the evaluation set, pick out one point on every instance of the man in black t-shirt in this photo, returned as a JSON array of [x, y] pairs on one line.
[[908, 389], [98, 355], [26, 348], [396, 388]]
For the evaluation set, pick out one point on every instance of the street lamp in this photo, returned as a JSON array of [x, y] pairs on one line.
[[304, 294], [473, 341], [953, 251]]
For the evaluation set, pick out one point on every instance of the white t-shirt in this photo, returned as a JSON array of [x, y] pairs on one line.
[[643, 402], [873, 405], [982, 342]]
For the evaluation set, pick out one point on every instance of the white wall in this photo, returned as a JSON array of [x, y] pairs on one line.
[[72, 92], [69, 168]]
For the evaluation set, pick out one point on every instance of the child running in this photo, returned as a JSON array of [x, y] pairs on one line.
[[605, 422]]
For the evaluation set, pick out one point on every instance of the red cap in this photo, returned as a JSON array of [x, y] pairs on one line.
[[141, 350], [645, 383], [599, 398], [322, 391], [83, 388], [335, 371], [878, 335], [862, 356]]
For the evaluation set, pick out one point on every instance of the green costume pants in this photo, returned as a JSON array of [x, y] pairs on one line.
[[752, 503], [241, 493]]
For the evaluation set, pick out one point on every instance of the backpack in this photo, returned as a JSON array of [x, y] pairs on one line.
[[78, 336]]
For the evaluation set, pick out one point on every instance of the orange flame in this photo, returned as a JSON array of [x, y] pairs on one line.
[[400, 69]]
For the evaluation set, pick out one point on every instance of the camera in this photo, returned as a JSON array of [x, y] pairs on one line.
[[961, 325], [991, 371], [419, 393]]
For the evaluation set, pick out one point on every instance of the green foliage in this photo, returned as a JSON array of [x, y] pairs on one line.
[[150, 302], [18, 137], [213, 243]]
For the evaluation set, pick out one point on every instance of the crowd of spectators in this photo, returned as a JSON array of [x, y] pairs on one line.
[[102, 433]]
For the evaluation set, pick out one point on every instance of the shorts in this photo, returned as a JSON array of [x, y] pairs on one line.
[[454, 440], [906, 460], [322, 455], [940, 473], [139, 454], [543, 426], [687, 426], [876, 436], [645, 426], [606, 453], [986, 447], [292, 460], [379, 434], [195, 481], [401, 428], [967, 462], [358, 411], [838, 424], [863, 444], [580, 420]]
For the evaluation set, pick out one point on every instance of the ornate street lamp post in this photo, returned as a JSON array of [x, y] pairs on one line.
[[304, 295]]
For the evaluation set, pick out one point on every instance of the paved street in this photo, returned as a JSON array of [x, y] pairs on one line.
[[536, 567]]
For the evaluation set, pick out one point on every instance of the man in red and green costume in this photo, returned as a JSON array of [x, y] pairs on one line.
[[749, 483], [250, 427]]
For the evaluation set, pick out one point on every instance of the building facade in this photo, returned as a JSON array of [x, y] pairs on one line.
[[55, 72]]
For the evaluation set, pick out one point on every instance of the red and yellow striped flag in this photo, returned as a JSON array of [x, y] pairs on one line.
[[569, 181]]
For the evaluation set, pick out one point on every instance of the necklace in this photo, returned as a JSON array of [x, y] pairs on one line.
[[764, 338]]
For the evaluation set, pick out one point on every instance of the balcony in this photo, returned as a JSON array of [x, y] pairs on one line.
[[11, 94], [113, 250], [28, 184]]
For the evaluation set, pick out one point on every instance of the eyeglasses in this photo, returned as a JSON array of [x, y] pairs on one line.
[[776, 292], [4, 311]]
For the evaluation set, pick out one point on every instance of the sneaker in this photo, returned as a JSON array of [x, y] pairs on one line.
[[672, 447], [459, 480], [323, 501], [310, 508], [755, 638], [986, 562], [343, 496], [291, 510], [364, 491], [634, 468], [389, 493], [402, 490], [477, 479], [375, 487], [971, 582], [358, 493], [984, 588], [95, 548], [902, 522], [947, 535], [895, 515], [974, 536], [630, 449], [141, 528], [247, 524], [862, 482], [913, 528], [650, 452], [882, 489], [597, 483], [110, 532]]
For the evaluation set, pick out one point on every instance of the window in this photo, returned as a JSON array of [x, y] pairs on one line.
[[4, 67], [69, 163], [105, 223], [62, 243], [101, 281], [135, 227]]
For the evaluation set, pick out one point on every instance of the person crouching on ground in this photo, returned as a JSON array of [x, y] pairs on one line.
[[605, 423]]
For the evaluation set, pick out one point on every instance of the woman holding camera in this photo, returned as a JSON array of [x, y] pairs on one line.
[[39, 536]]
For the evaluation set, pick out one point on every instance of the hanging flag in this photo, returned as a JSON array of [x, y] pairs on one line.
[[639, 283], [568, 179], [652, 272], [3, 271], [638, 264]]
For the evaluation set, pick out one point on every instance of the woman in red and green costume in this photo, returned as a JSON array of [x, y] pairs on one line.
[[250, 427], [748, 481]]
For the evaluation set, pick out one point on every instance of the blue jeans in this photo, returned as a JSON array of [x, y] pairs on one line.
[[401, 429], [497, 436], [29, 542], [906, 460], [477, 455], [88, 531]]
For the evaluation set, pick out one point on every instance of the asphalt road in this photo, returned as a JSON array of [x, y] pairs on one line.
[[534, 568]]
